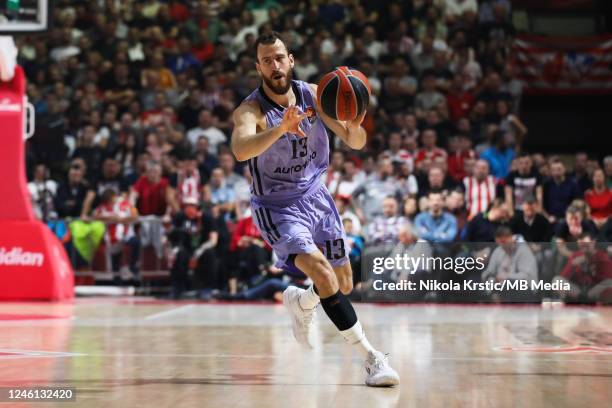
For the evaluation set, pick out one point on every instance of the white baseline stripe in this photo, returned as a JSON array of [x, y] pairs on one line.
[[166, 313], [532, 357]]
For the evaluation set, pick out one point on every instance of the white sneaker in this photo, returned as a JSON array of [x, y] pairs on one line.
[[379, 372], [302, 320]]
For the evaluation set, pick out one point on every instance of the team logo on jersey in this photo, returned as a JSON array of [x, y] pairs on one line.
[[311, 114]]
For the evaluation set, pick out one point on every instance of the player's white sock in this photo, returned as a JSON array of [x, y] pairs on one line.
[[356, 336], [308, 299]]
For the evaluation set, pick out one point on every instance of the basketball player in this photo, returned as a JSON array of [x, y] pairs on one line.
[[280, 130]]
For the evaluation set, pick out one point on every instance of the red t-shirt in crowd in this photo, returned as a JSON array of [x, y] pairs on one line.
[[459, 106], [151, 197], [596, 269], [203, 52], [423, 154], [245, 228], [600, 203], [178, 12], [455, 164]]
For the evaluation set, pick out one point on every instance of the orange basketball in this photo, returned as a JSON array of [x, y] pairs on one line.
[[344, 93]]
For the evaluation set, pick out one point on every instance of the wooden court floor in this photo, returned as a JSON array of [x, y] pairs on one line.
[[145, 353]]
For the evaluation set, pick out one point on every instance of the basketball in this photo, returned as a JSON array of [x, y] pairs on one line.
[[344, 93]]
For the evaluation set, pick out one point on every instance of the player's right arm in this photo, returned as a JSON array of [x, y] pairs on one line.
[[247, 142]]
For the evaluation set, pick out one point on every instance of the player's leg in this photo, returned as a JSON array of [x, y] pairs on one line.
[[288, 233], [331, 237], [344, 274], [341, 312]]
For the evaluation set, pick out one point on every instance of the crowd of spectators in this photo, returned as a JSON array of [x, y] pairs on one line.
[[134, 100]]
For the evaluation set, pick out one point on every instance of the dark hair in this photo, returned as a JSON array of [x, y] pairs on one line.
[[107, 195], [498, 137], [503, 231], [268, 39]]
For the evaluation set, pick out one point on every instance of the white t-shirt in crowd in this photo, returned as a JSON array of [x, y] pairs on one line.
[[214, 135]]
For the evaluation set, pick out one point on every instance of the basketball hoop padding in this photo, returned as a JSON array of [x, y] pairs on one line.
[[33, 263]]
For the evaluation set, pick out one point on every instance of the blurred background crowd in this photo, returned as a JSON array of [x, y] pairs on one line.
[[130, 164]]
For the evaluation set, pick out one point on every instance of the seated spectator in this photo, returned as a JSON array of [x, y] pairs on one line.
[[71, 194], [206, 161], [126, 154], [119, 215], [88, 151], [152, 194], [605, 234], [399, 86], [460, 150], [110, 179], [512, 127], [558, 191], [395, 151], [187, 181], [375, 188], [220, 194], [529, 223], [408, 128], [589, 273], [43, 191], [454, 9], [384, 229], [436, 181], [499, 155], [608, 170], [511, 261], [207, 128], [523, 182], [184, 58], [580, 174], [460, 98], [422, 57], [430, 150], [599, 198], [481, 228], [233, 179], [346, 210], [249, 251], [409, 245], [455, 205], [410, 208], [161, 114], [429, 98], [480, 189], [436, 225], [574, 225], [406, 181], [350, 178]]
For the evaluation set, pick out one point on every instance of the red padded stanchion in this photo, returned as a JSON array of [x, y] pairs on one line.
[[33, 263]]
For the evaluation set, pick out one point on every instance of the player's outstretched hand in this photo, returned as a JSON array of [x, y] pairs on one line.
[[291, 120]]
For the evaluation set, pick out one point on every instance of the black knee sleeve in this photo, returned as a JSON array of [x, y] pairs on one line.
[[340, 311]]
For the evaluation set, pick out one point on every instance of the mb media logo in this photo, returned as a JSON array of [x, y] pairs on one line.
[[18, 257]]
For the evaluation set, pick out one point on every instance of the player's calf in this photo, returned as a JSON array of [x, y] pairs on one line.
[[345, 278], [317, 268]]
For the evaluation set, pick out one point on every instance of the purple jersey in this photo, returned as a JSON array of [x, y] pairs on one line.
[[292, 166]]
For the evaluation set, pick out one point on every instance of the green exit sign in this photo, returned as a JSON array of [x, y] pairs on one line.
[[12, 5]]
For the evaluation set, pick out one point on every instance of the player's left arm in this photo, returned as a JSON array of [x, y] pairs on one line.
[[351, 132]]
